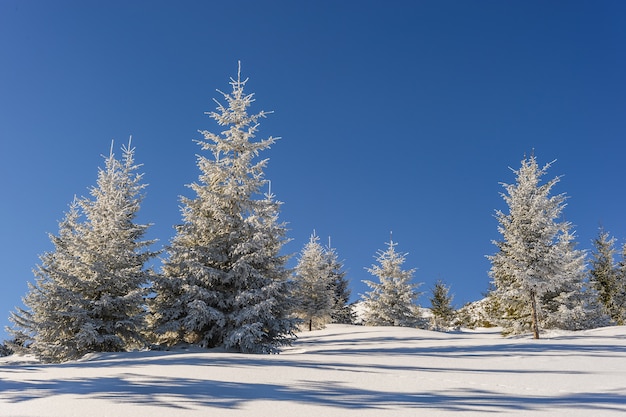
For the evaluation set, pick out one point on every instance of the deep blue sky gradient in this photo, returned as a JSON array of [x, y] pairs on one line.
[[399, 116]]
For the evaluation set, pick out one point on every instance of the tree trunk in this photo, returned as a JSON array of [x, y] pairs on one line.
[[310, 324], [535, 322]]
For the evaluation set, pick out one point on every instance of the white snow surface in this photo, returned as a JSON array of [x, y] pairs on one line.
[[339, 371]]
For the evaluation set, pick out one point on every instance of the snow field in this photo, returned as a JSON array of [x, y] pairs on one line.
[[339, 371]]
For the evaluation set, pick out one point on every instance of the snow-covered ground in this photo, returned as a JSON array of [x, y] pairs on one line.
[[340, 371]]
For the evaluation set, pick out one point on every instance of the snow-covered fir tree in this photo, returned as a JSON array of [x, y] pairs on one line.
[[605, 276], [225, 282], [536, 261], [441, 306], [392, 300], [342, 310], [313, 292], [89, 291]]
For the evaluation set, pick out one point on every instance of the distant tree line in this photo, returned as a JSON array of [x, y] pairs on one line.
[[224, 280]]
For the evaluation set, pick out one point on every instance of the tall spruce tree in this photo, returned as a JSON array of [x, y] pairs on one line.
[[392, 300], [604, 275], [535, 258], [225, 282], [313, 290], [89, 292]]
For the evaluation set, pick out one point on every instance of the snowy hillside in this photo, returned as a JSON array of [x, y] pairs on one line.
[[340, 371]]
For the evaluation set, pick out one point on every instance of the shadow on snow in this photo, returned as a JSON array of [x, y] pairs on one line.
[[324, 354], [189, 393]]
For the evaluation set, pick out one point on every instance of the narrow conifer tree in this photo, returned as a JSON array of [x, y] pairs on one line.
[[341, 310], [441, 306], [620, 293], [604, 275], [225, 282], [89, 292], [392, 301], [313, 291]]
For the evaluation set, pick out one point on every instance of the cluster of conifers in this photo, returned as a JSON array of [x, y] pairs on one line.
[[224, 282]]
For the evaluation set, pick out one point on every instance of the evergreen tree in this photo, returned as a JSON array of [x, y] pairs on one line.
[[535, 257], [620, 294], [341, 311], [441, 306], [89, 292], [392, 301], [313, 289], [573, 304], [5, 350], [225, 282], [604, 275]]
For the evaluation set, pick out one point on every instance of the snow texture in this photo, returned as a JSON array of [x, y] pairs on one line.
[[342, 371]]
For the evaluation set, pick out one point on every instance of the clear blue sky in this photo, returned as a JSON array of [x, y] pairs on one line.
[[399, 116]]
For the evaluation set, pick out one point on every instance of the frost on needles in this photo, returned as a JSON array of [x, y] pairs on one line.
[[225, 283], [89, 291], [313, 291], [392, 300], [538, 275]]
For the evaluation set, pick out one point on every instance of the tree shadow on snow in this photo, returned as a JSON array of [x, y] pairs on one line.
[[344, 353], [185, 393], [508, 349]]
